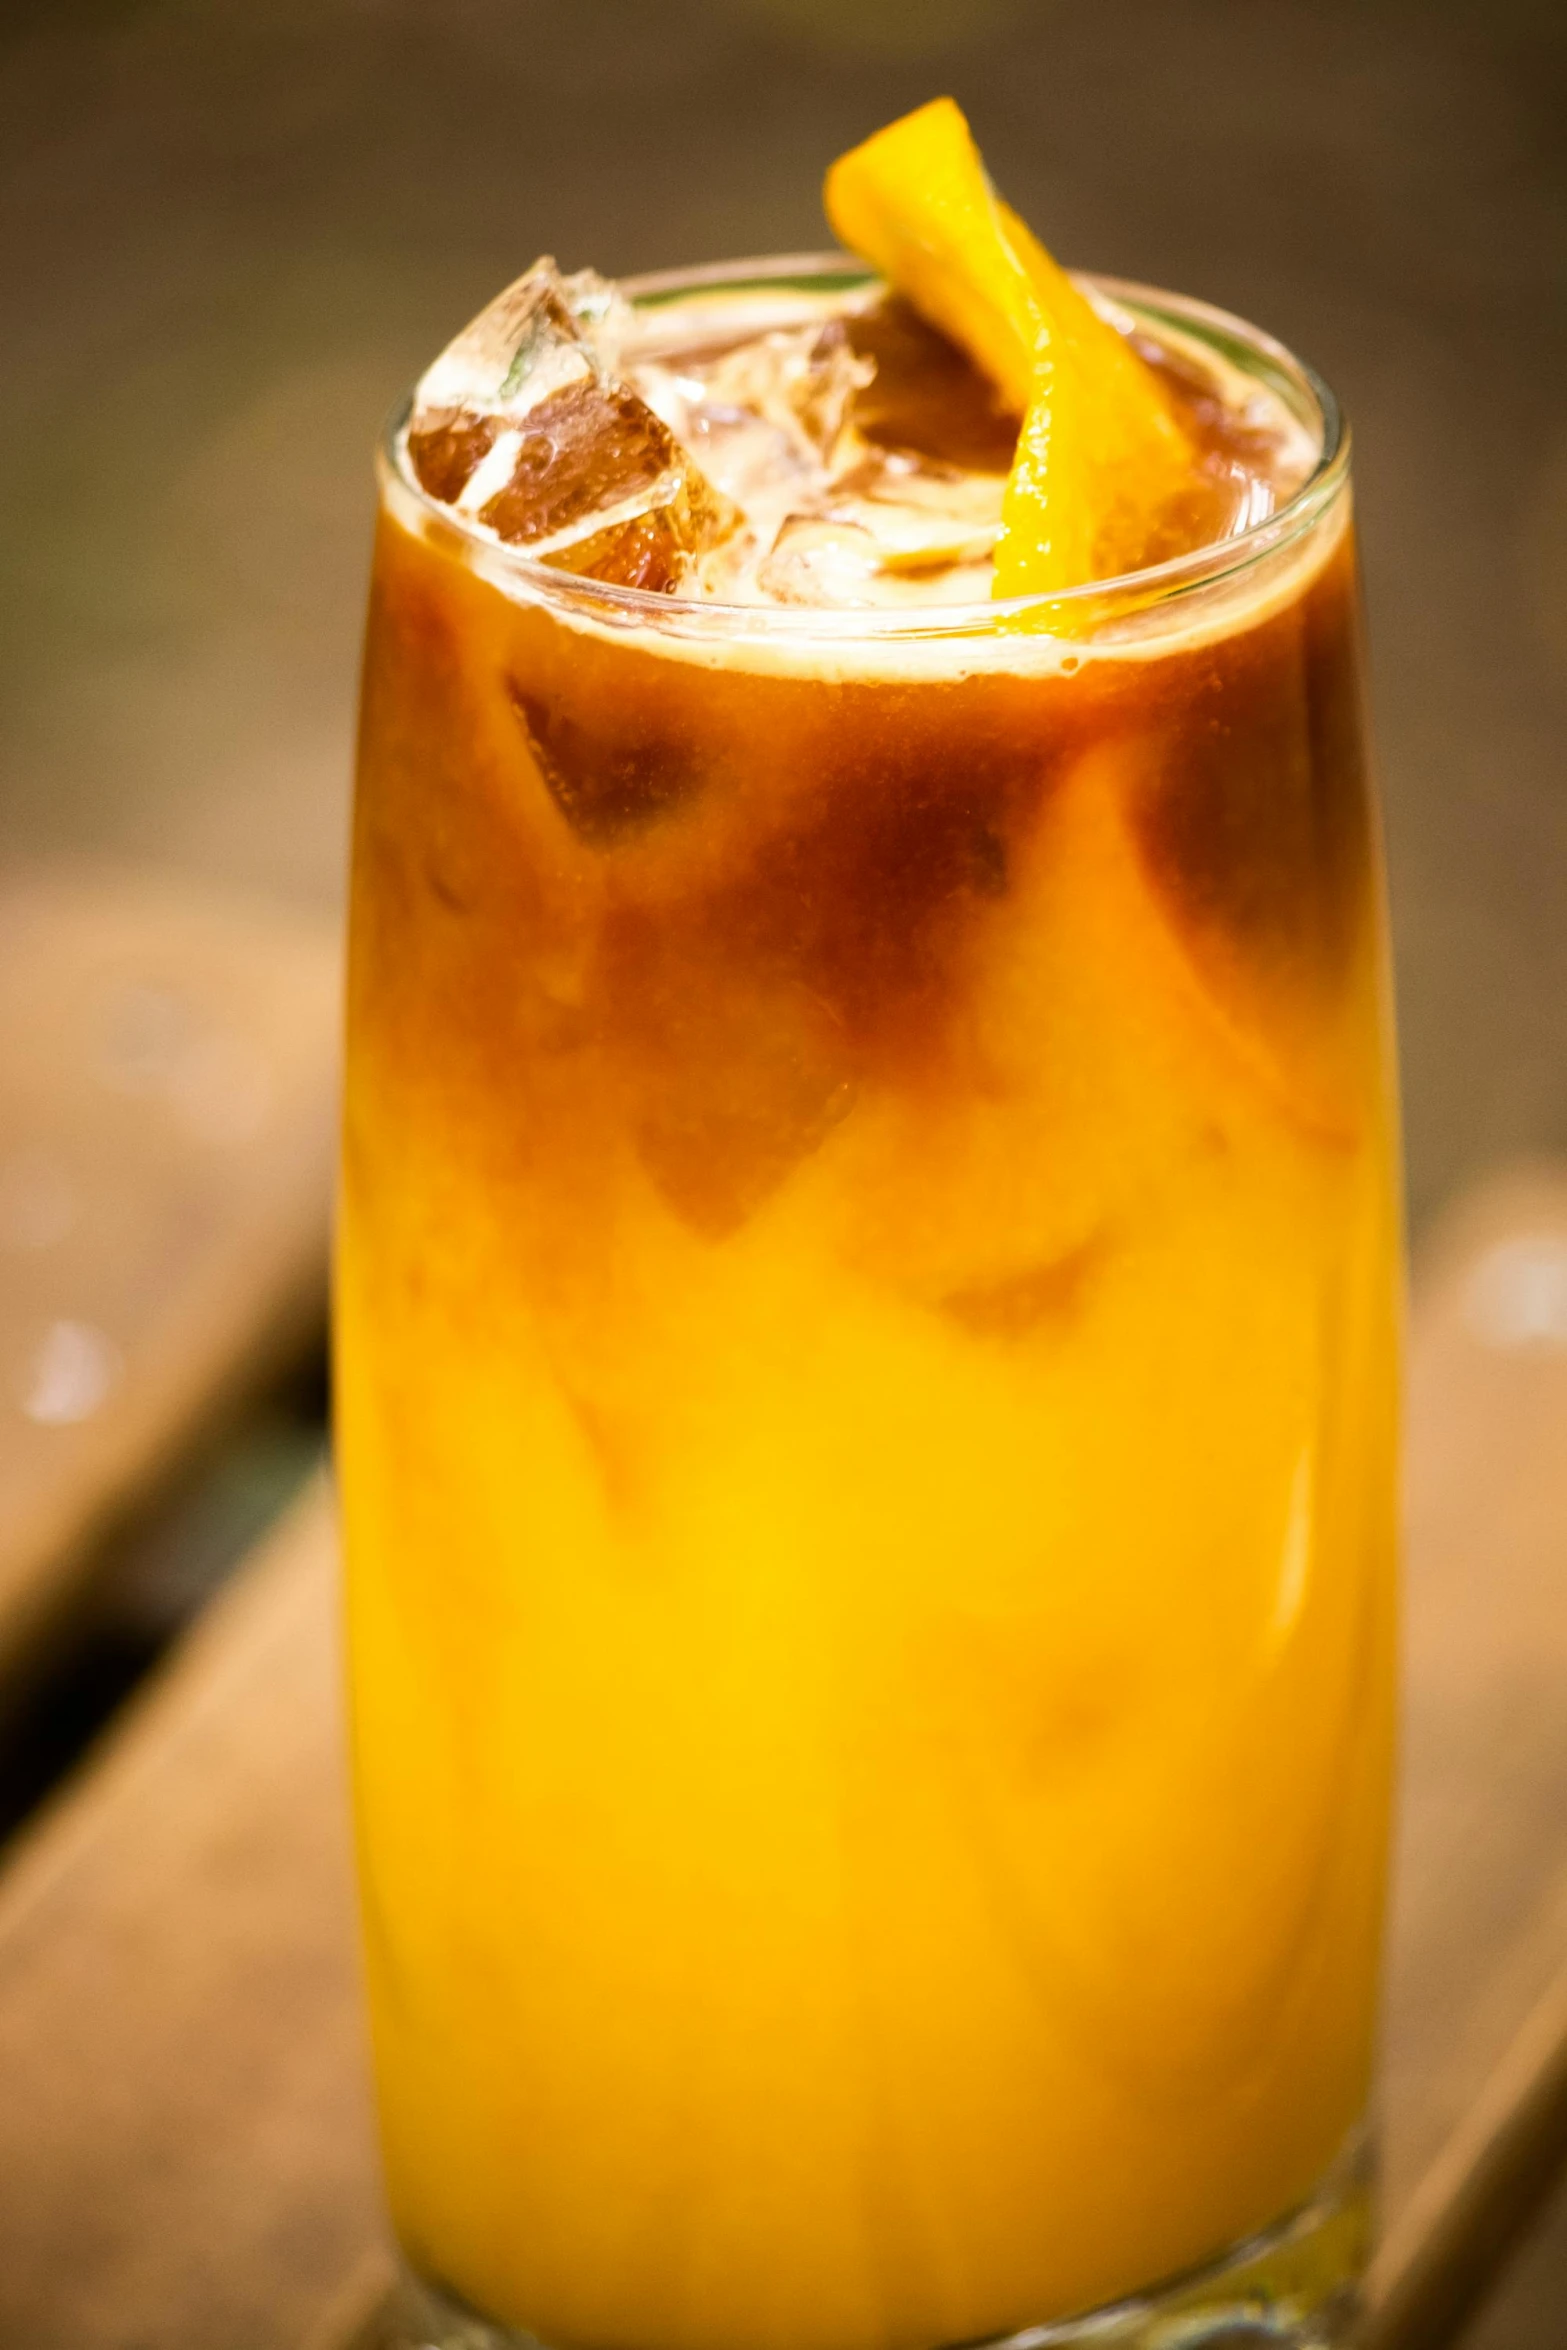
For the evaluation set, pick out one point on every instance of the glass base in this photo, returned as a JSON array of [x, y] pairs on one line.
[[1294, 2286]]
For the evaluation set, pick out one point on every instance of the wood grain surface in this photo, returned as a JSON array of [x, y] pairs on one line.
[[167, 1080], [184, 2141], [184, 2136], [1474, 2089]]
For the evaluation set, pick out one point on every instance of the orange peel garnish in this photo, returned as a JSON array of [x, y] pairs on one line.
[[1100, 456]]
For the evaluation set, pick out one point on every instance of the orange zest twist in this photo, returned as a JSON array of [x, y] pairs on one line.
[[1100, 456]]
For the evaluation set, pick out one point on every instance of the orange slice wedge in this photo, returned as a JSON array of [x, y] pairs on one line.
[[1100, 456]]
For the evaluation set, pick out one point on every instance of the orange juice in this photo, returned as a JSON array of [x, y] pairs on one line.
[[866, 1408]]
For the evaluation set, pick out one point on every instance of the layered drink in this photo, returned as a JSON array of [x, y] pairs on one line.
[[866, 1316]]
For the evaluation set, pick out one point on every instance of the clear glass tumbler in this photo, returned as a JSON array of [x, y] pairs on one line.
[[867, 1365]]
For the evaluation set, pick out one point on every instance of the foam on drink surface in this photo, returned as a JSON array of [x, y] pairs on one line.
[[780, 448]]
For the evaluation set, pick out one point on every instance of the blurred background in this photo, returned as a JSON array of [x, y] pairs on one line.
[[234, 233]]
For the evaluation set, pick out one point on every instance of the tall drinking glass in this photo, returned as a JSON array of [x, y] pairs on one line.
[[866, 1314]]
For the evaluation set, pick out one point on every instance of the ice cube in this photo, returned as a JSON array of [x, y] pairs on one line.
[[802, 381], [525, 346], [522, 425], [824, 390], [895, 530], [736, 1083], [1015, 1305], [611, 771], [820, 559], [594, 483], [541, 332], [923, 516], [601, 311], [771, 422]]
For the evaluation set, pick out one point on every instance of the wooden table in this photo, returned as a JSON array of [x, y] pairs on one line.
[[167, 1125], [184, 2135]]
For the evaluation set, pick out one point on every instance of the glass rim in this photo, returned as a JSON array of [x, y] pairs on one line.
[[1250, 348]]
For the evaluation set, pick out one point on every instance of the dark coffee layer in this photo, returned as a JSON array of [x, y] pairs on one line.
[[773, 890]]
